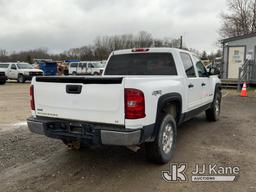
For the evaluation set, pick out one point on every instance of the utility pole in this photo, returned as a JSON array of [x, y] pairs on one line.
[[181, 42]]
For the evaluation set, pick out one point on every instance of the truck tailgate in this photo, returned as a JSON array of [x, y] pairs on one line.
[[99, 100]]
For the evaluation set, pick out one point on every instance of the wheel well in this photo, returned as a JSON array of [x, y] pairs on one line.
[[218, 88], [172, 107], [170, 103]]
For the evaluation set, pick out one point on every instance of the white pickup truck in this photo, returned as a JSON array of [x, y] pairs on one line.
[[20, 71], [142, 97]]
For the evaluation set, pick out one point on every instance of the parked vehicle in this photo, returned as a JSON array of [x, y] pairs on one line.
[[141, 99], [85, 68], [2, 77], [48, 67], [20, 71]]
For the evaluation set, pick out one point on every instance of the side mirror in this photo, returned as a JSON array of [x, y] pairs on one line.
[[214, 71]]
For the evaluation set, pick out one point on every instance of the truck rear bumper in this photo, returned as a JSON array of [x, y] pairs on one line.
[[90, 133]]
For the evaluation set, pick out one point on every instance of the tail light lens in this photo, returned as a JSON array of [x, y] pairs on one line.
[[140, 50], [32, 99], [134, 104]]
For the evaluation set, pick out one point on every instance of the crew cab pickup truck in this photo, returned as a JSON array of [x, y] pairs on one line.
[[142, 97], [20, 71]]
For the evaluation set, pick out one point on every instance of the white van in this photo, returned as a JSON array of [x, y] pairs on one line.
[[86, 68]]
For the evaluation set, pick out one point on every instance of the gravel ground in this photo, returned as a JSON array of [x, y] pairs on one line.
[[34, 163]]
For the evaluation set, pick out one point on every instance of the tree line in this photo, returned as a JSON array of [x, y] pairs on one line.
[[99, 50], [240, 19]]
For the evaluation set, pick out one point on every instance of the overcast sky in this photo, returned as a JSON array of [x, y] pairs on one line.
[[62, 24]]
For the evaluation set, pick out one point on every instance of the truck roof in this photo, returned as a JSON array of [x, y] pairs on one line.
[[147, 50]]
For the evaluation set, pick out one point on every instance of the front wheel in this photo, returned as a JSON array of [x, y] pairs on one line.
[[213, 113], [160, 151], [21, 78]]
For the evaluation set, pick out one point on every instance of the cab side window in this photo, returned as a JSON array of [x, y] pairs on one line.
[[83, 65], [13, 67], [90, 65], [202, 72], [188, 65], [80, 65]]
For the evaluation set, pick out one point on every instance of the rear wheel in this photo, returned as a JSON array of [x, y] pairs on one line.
[[21, 78], [160, 151], [213, 113]]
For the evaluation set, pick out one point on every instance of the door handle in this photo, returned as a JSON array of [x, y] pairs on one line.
[[73, 89], [203, 84], [190, 86]]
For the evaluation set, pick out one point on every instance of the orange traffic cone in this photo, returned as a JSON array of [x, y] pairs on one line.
[[244, 91]]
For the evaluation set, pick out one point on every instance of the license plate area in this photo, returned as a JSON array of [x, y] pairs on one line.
[[71, 130], [76, 128]]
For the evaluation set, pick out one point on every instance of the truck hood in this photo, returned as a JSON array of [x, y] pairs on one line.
[[30, 70], [3, 69]]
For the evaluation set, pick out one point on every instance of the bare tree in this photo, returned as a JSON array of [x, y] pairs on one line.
[[3, 53], [253, 15], [240, 20], [144, 39]]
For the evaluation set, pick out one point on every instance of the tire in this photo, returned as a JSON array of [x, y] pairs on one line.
[[74, 73], [213, 113], [160, 151], [66, 72], [21, 78], [2, 82]]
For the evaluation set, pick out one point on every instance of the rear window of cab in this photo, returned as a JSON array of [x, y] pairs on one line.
[[141, 64]]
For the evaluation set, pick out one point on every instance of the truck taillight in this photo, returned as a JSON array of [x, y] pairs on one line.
[[32, 99], [134, 104], [140, 50]]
